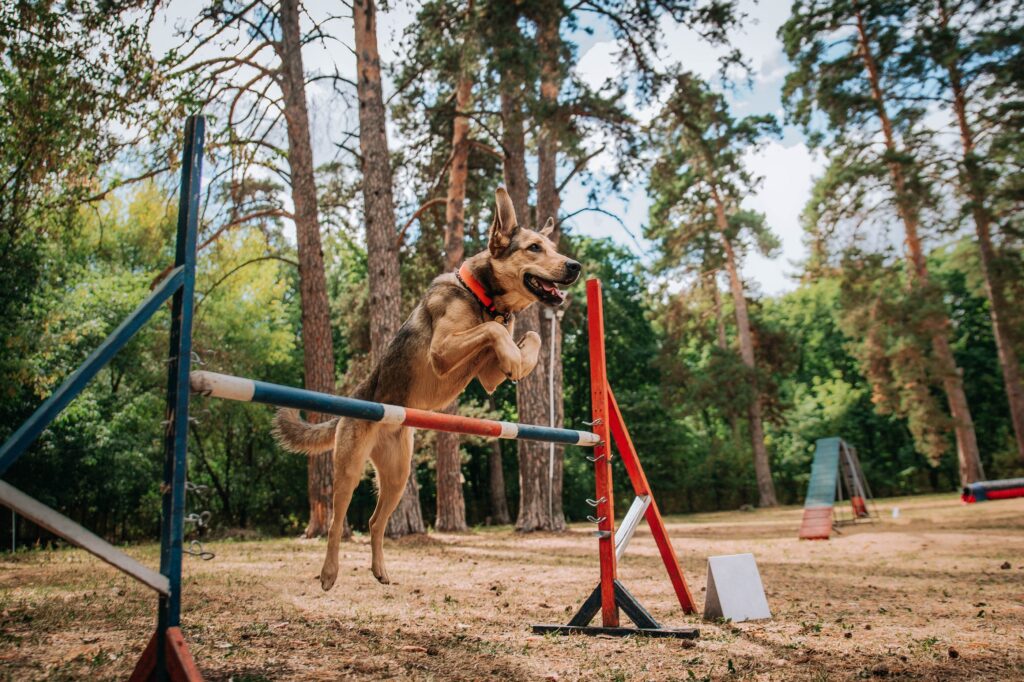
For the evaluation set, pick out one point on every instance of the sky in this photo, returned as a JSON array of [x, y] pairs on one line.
[[787, 165]]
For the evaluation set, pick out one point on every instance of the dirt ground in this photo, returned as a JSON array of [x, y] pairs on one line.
[[937, 593]]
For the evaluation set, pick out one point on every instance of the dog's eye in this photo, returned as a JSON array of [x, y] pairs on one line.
[[534, 248]]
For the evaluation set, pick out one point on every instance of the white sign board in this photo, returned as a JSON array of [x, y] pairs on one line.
[[734, 589]]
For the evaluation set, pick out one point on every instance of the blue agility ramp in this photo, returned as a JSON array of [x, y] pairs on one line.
[[835, 468]]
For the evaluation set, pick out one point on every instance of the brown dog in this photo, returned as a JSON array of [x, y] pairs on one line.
[[460, 330]]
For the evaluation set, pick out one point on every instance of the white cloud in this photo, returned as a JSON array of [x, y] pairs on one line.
[[597, 64], [788, 176]]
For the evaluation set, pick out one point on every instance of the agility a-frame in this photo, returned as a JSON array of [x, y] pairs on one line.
[[835, 468], [610, 595]]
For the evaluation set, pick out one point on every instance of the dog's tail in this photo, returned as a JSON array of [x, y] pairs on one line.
[[294, 433]]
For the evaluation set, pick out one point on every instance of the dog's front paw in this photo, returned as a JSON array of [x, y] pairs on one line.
[[328, 574], [529, 347], [529, 342], [511, 365]]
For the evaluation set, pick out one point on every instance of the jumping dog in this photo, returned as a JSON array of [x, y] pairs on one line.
[[463, 328]]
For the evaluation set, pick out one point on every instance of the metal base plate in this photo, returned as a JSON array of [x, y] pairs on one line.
[[677, 633]]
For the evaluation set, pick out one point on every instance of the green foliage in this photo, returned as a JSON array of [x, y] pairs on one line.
[[71, 74], [844, 354]]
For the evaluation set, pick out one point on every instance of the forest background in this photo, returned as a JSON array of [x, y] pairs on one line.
[[807, 223]]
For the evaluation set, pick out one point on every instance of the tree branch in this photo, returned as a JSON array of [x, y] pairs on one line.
[[122, 183], [270, 212], [239, 267], [477, 144], [580, 165], [420, 211]]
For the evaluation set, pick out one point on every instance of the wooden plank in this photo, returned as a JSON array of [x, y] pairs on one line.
[[631, 460], [602, 454], [589, 608], [640, 616], [180, 665], [816, 524], [179, 356], [61, 525]]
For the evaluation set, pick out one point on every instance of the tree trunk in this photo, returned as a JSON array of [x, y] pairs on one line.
[[531, 391], [379, 211], [711, 281], [723, 341], [451, 505], [549, 43], [762, 467], [975, 188], [499, 503], [317, 347], [952, 376]]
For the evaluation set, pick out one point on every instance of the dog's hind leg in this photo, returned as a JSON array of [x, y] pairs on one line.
[[352, 443], [392, 456]]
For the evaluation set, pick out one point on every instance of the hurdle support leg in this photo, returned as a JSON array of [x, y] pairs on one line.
[[179, 666], [173, 660], [610, 595]]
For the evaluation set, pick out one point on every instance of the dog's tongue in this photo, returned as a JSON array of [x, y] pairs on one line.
[[552, 289]]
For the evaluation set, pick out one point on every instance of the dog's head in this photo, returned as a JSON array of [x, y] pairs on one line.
[[525, 261]]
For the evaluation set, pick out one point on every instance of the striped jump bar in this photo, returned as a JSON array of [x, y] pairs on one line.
[[248, 390]]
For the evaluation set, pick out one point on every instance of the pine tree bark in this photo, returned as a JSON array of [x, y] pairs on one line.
[[549, 43], [317, 345], [496, 482], [531, 391], [711, 282], [975, 188], [762, 466], [451, 504], [952, 376], [379, 210]]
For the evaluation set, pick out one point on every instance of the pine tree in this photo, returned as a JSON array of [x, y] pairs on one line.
[[845, 54], [972, 50], [379, 215], [697, 185], [444, 46], [261, 65]]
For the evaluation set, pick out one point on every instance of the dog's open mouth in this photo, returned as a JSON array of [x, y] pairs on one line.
[[545, 290]]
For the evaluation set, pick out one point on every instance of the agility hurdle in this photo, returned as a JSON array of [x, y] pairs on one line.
[[167, 656], [610, 594]]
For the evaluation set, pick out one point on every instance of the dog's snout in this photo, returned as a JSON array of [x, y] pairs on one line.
[[572, 267]]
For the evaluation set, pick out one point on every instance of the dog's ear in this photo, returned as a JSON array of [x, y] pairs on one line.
[[548, 228], [505, 224]]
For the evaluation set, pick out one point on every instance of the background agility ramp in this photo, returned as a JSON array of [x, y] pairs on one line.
[[983, 491], [835, 469]]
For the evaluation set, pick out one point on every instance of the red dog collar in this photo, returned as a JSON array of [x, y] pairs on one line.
[[467, 280]]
